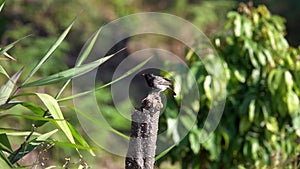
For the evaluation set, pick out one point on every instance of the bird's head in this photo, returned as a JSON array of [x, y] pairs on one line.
[[147, 75]]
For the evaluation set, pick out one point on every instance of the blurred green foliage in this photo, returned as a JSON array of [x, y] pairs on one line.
[[260, 124]]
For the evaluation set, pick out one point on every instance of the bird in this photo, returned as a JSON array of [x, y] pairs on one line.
[[159, 83]]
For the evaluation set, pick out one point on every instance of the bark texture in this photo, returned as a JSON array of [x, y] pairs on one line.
[[144, 127]]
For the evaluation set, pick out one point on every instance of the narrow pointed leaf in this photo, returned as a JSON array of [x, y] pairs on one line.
[[99, 123], [81, 59], [4, 143], [4, 162], [1, 6], [107, 84], [80, 139], [50, 51], [68, 74], [64, 144], [88, 49], [7, 88], [15, 132], [9, 56], [26, 147], [9, 105], [3, 71], [11, 45], [55, 111]]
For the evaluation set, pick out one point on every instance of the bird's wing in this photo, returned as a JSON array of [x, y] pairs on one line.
[[163, 81]]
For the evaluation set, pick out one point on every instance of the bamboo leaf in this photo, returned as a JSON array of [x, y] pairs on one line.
[[7, 88], [3, 71], [9, 105], [50, 51], [55, 111], [4, 162], [27, 147], [103, 125], [107, 84], [1, 6], [4, 143], [80, 139], [64, 144], [68, 74], [82, 58], [88, 49], [11, 45], [15, 132]]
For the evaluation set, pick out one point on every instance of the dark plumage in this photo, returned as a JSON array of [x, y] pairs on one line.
[[159, 83]]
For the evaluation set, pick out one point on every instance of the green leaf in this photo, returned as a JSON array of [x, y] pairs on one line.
[[194, 139], [288, 80], [35, 118], [244, 125], [240, 75], [80, 139], [3, 71], [27, 147], [296, 125], [272, 125], [292, 102], [237, 22], [11, 45], [1, 6], [4, 143], [68, 74], [34, 108], [50, 51], [251, 110], [70, 145], [88, 49], [55, 111], [140, 65], [261, 58], [7, 88], [15, 132], [162, 154], [4, 162], [275, 79], [207, 88], [9, 105], [82, 58], [95, 121]]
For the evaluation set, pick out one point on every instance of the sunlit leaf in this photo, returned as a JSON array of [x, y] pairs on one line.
[[140, 65], [50, 51], [68, 74], [288, 80], [293, 104], [70, 145], [81, 59], [55, 111], [272, 125], [3, 71], [1, 5], [7, 89], [251, 110]]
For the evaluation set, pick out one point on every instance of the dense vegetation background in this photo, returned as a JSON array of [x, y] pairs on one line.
[[260, 127]]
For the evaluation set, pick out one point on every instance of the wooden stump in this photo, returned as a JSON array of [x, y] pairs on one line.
[[144, 127]]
